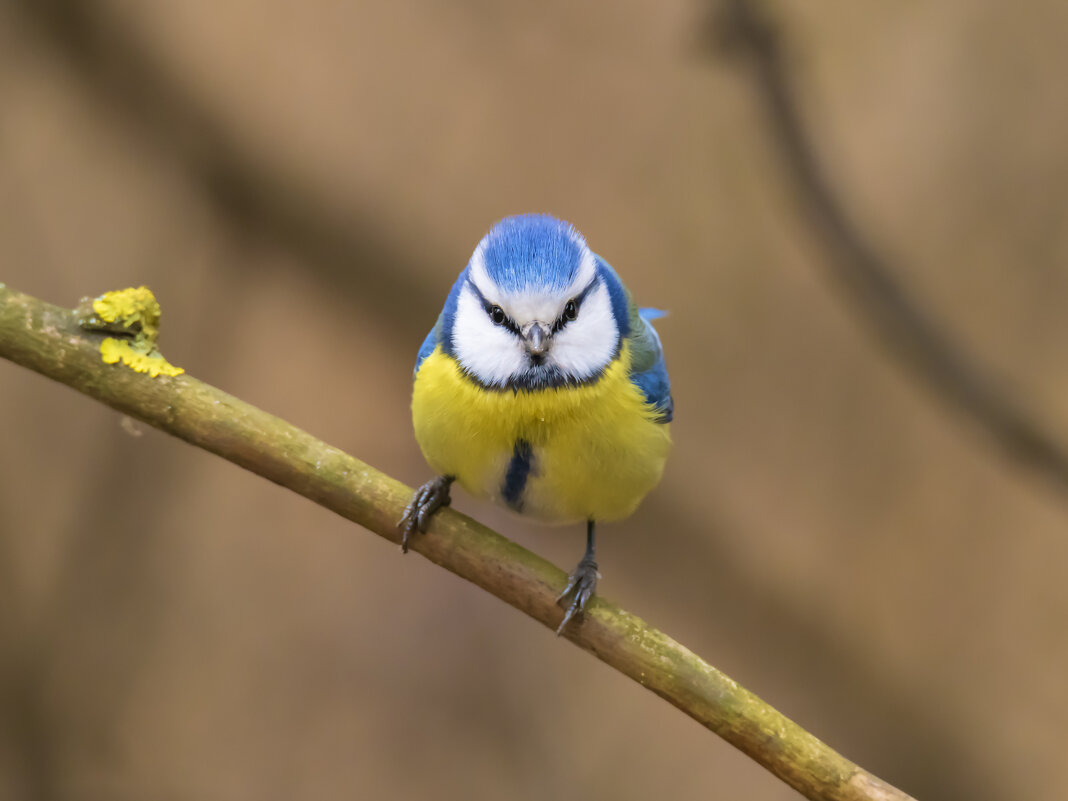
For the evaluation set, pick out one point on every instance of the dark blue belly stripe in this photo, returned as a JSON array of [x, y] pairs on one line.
[[515, 480]]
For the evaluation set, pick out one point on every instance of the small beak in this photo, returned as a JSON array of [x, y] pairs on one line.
[[536, 339]]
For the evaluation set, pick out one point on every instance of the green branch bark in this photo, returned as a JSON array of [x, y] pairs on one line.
[[52, 341]]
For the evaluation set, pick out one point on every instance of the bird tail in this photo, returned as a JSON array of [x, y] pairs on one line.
[[649, 314]]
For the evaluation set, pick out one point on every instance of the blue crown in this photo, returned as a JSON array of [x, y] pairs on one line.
[[532, 250]]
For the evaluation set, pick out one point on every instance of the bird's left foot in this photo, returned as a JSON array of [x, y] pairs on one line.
[[427, 499], [580, 587]]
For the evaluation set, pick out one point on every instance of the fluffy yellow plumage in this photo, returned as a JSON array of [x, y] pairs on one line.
[[598, 449], [541, 386]]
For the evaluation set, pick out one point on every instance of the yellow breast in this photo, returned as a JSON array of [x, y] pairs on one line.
[[582, 453]]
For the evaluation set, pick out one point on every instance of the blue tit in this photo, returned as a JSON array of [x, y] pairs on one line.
[[542, 387]]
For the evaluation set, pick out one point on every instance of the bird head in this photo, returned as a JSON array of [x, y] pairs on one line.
[[535, 308]]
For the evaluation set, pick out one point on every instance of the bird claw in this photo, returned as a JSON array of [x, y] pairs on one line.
[[581, 584], [427, 499]]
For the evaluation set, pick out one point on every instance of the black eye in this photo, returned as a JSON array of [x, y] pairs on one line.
[[497, 315], [570, 310]]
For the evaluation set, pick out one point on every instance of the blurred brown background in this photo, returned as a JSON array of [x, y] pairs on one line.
[[299, 183]]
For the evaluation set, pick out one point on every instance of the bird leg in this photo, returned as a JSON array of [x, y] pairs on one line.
[[427, 499], [581, 583]]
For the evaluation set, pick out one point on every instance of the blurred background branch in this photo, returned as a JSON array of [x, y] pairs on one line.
[[50, 341], [255, 194], [743, 29]]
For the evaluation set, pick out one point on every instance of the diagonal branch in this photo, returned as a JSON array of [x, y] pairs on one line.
[[49, 340], [882, 302]]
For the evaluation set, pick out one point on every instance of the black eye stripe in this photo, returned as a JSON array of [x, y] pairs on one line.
[[507, 322], [564, 319], [510, 324]]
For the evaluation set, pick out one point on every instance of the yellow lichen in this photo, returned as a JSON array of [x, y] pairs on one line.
[[134, 313], [114, 350], [131, 308]]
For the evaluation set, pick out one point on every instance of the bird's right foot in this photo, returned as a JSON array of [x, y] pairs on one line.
[[427, 499]]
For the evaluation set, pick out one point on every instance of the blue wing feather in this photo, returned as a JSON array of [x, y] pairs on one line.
[[648, 370], [653, 381]]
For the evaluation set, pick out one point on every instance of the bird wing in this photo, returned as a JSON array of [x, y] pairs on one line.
[[648, 370]]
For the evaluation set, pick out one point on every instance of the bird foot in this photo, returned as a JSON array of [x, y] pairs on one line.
[[427, 499], [580, 587]]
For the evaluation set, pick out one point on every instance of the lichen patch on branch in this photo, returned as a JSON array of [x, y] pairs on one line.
[[114, 350], [134, 315]]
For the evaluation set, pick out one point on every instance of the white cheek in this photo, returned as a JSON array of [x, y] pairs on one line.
[[586, 345], [491, 352]]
